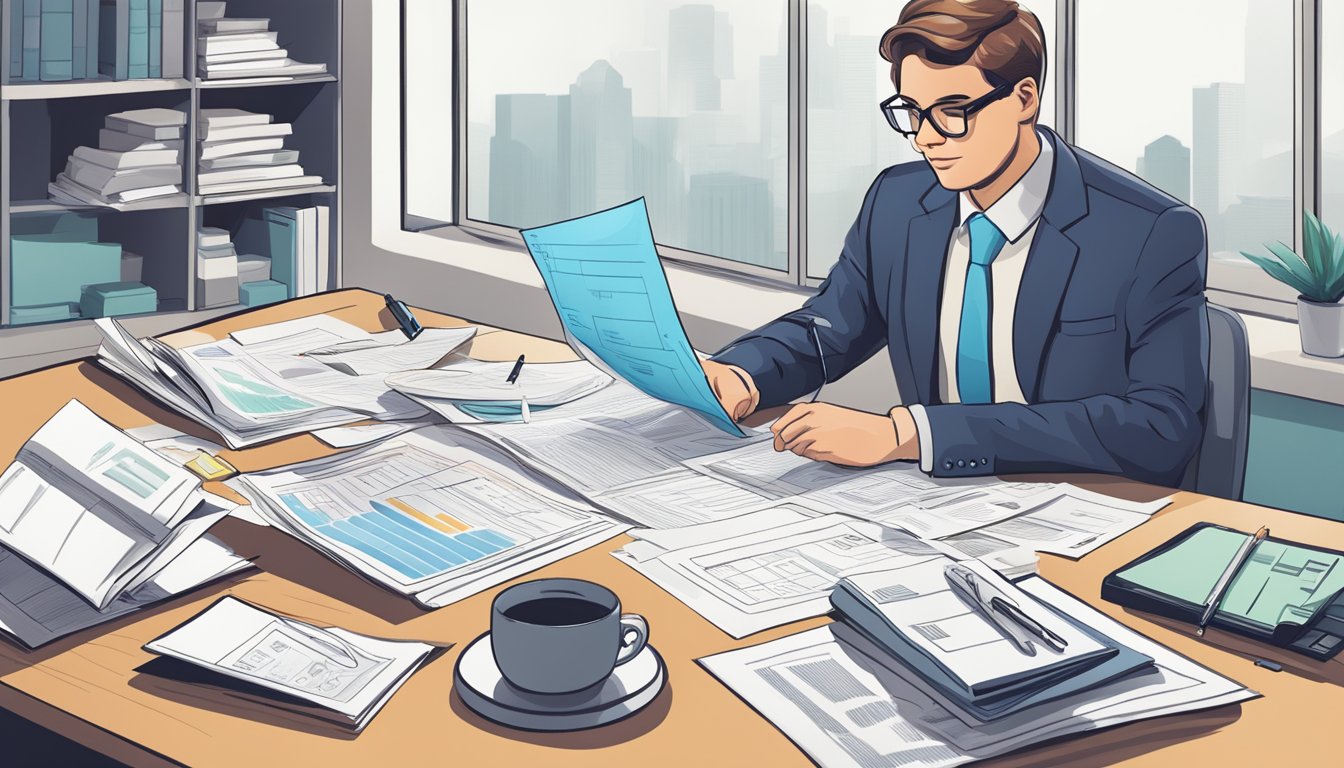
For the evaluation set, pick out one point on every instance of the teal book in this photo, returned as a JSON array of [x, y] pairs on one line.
[[32, 38], [56, 57], [68, 226], [275, 237], [137, 40], [113, 27], [80, 47], [15, 30], [46, 269], [92, 14], [43, 313], [155, 38], [261, 292]]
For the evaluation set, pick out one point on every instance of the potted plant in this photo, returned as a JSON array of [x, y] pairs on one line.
[[1318, 277]]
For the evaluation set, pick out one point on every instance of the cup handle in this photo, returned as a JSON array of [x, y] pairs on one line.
[[632, 624]]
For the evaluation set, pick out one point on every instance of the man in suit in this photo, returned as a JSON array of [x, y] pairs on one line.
[[1043, 310]]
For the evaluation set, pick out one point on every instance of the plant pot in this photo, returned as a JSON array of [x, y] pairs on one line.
[[1322, 327]]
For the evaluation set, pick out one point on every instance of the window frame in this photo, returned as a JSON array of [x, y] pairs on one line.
[[1240, 287]]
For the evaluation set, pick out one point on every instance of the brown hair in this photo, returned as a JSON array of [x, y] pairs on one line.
[[998, 37]]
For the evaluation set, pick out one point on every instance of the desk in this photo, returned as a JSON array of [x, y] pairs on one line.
[[85, 687]]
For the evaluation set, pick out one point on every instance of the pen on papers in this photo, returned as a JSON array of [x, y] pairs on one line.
[[1216, 596], [517, 369], [1037, 630], [966, 583], [336, 649], [402, 313]]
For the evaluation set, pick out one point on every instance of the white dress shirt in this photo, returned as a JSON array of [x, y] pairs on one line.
[[1015, 214]]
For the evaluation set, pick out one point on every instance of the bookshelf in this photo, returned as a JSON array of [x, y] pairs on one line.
[[42, 122]]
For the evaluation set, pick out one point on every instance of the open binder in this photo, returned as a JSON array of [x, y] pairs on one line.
[[1285, 593]]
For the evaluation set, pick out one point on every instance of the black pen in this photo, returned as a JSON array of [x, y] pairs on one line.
[[517, 369], [402, 313]]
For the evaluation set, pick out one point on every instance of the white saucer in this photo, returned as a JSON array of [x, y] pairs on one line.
[[483, 689]]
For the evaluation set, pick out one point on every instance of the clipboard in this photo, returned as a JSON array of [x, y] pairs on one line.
[[1287, 594]]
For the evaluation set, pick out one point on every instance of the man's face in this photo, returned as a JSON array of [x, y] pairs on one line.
[[992, 133]]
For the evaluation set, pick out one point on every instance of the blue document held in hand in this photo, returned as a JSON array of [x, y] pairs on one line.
[[611, 294]]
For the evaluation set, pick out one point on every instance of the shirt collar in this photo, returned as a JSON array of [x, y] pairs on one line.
[[1020, 206]]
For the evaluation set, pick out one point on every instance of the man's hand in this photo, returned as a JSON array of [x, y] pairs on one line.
[[733, 387], [851, 438]]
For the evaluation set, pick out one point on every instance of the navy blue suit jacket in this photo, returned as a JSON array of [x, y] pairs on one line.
[[1110, 335]]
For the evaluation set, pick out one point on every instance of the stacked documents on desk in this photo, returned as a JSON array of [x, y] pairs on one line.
[[435, 514], [845, 700], [256, 385], [249, 654], [473, 391], [98, 520]]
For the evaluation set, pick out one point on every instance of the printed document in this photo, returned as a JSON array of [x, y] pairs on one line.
[[391, 351], [609, 289], [844, 701], [333, 673]]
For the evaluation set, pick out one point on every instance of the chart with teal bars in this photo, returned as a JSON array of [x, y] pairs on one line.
[[414, 516], [609, 289]]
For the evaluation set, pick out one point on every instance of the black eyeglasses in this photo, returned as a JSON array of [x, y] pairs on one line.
[[950, 120]]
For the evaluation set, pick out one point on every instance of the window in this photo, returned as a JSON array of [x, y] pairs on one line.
[[1332, 114], [578, 106], [1208, 118], [848, 140], [427, 197]]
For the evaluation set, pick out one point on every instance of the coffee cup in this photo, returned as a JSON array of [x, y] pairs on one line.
[[554, 636]]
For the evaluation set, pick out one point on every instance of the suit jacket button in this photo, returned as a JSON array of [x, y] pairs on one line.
[[947, 464], [961, 462], [972, 463], [985, 462]]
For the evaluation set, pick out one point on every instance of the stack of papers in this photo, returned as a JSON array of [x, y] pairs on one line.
[[435, 514], [471, 391], [243, 47], [250, 654], [98, 518], [256, 385], [845, 701], [244, 151]]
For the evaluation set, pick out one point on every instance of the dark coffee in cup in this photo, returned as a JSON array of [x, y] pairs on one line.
[[562, 635]]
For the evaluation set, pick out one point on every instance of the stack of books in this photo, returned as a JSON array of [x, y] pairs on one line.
[[245, 152], [232, 48], [296, 243], [138, 157], [216, 269], [133, 39]]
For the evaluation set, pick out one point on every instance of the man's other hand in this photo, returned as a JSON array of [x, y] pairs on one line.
[[733, 387], [844, 436]]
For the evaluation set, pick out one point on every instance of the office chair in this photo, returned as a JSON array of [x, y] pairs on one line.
[[1219, 467]]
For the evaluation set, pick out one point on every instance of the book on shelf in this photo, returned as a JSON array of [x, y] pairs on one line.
[[156, 123], [32, 37], [224, 58], [295, 243], [259, 186], [213, 237], [223, 26], [212, 133], [70, 192], [174, 28], [281, 157], [132, 39], [285, 68], [250, 41], [254, 173], [216, 150], [137, 40], [125, 160], [120, 141], [107, 181], [231, 118], [156, 38], [79, 43], [56, 41]]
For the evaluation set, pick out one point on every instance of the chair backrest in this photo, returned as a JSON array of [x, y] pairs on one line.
[[1219, 468]]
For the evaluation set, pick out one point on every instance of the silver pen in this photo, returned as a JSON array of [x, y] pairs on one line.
[[1216, 596], [967, 584]]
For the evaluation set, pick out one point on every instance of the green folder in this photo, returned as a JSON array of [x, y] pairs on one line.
[[1285, 593]]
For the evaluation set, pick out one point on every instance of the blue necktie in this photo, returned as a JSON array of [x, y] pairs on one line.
[[973, 371]]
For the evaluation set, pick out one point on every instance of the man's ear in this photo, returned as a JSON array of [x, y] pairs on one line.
[[1028, 98]]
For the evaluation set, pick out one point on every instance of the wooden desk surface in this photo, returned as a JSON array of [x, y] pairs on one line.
[[85, 686]]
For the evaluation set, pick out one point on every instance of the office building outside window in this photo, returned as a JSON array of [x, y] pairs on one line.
[[848, 140], [578, 106], [1211, 123]]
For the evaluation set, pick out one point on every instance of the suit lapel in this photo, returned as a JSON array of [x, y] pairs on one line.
[[1049, 266], [926, 254]]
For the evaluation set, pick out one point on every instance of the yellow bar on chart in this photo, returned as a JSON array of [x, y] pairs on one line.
[[432, 522]]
